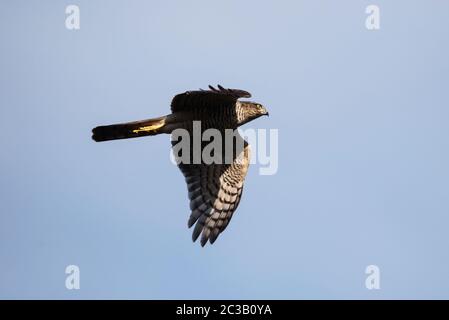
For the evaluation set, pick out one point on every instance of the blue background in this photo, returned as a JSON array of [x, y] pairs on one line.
[[363, 149]]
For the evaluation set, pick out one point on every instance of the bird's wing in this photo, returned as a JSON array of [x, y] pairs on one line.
[[207, 98], [214, 192]]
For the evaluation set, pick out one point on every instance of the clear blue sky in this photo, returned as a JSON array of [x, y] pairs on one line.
[[363, 149]]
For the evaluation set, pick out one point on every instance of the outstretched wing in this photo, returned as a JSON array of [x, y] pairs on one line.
[[207, 98], [214, 192]]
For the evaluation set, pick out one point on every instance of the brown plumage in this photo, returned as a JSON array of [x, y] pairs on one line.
[[214, 188]]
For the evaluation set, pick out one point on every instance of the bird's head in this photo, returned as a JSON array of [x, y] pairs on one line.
[[251, 110]]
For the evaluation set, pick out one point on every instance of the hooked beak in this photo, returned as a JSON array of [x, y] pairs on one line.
[[266, 113]]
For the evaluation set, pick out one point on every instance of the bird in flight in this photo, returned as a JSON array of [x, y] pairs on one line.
[[214, 188]]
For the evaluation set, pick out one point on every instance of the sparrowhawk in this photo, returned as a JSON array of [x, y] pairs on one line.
[[214, 189]]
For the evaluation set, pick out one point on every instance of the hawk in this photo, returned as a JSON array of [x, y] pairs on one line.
[[214, 189]]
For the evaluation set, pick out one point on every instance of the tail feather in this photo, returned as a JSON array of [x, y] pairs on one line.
[[127, 130]]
